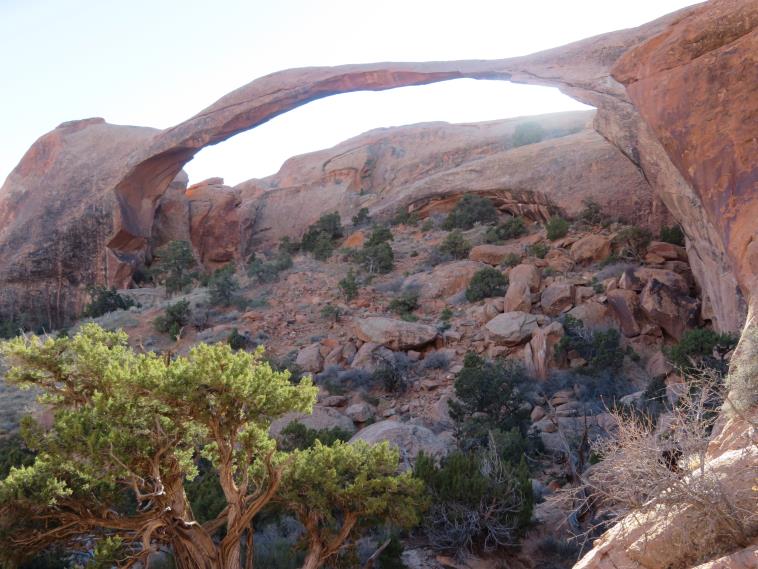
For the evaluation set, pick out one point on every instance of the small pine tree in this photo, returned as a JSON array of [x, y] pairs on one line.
[[175, 267], [556, 228], [223, 286], [471, 209], [105, 300], [323, 247], [377, 258], [455, 245], [486, 283], [175, 318], [349, 286], [511, 229], [362, 217]]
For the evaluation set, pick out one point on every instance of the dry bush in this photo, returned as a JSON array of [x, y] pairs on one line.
[[662, 468]]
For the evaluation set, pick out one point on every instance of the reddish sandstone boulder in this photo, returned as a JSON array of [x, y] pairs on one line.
[[591, 248]]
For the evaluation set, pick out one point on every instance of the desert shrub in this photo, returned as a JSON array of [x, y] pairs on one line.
[[349, 286], [591, 213], [362, 217], [287, 246], [647, 468], [405, 304], [469, 210], [328, 227], [511, 229], [489, 396], [238, 341], [104, 300], [631, 242], [323, 247], [379, 234], [297, 436], [436, 360], [479, 501], [654, 401], [331, 312], [557, 553], [486, 283], [175, 267], [404, 217], [511, 260], [10, 326], [673, 235], [601, 348], [377, 258], [268, 271], [393, 373], [223, 286], [527, 133], [455, 245], [702, 348], [556, 228], [175, 318], [538, 250], [428, 225]]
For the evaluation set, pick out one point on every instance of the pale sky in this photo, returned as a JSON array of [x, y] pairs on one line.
[[158, 62]]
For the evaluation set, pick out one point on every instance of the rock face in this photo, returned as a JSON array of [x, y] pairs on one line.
[[57, 213], [410, 439], [394, 334], [512, 328], [654, 60], [444, 280]]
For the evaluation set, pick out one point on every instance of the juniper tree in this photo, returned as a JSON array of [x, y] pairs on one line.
[[128, 431]]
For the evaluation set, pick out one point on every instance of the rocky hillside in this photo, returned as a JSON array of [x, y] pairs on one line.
[[587, 313]]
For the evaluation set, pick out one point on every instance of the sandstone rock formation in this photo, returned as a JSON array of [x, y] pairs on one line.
[[394, 334]]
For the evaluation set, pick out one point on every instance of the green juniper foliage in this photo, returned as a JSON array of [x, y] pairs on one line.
[[471, 209], [223, 286], [556, 228], [349, 286], [175, 318], [486, 283], [455, 245], [175, 267], [104, 300], [511, 229]]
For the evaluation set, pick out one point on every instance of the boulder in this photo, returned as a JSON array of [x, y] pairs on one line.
[[394, 334], [595, 315], [321, 418], [669, 308], [310, 358], [410, 439], [494, 254], [539, 353], [360, 412], [591, 248], [512, 328], [671, 279], [522, 281], [557, 298], [444, 280], [668, 251], [626, 305], [559, 260], [526, 273], [518, 297]]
